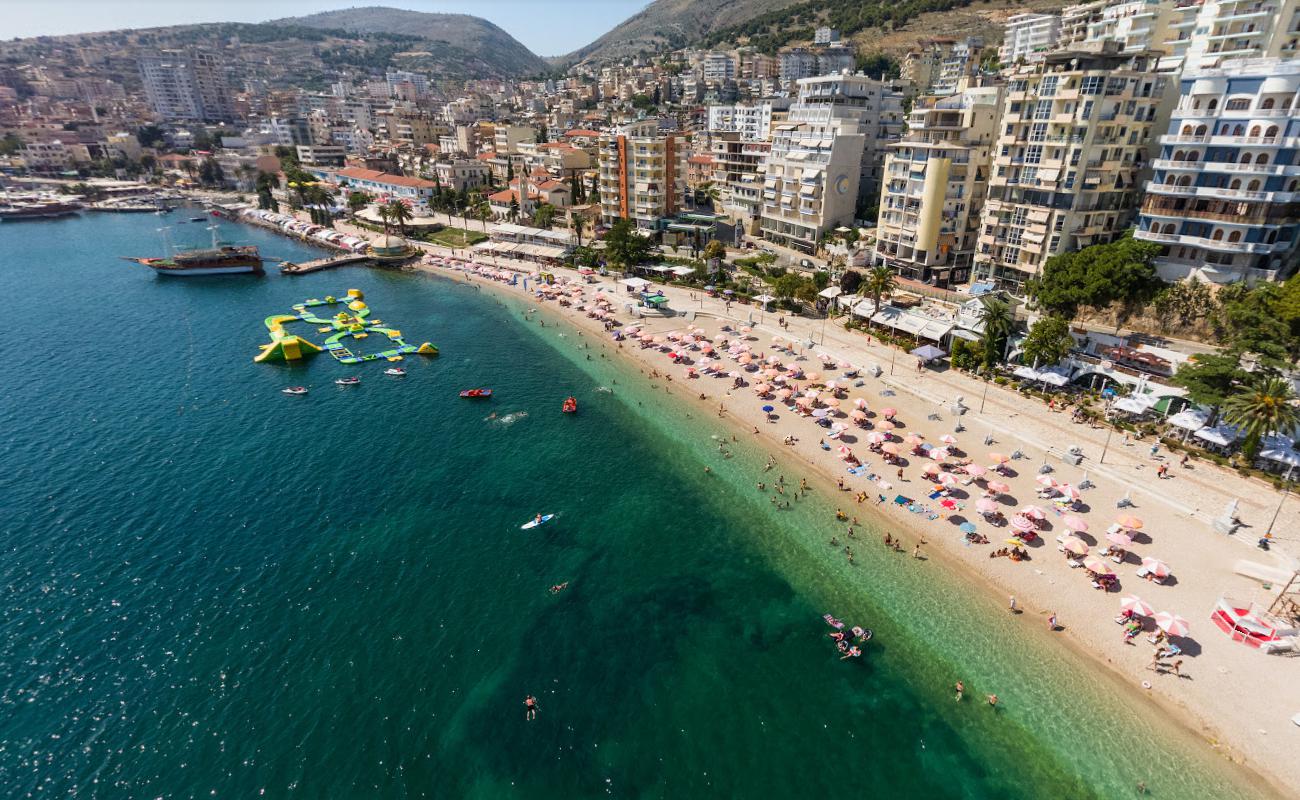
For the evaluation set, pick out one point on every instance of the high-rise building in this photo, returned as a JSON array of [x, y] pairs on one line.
[[1224, 201], [187, 85], [1138, 25], [642, 173], [878, 108], [1203, 34], [935, 180], [941, 65], [737, 162], [1072, 149], [716, 67], [1077, 21], [753, 123], [1028, 36]]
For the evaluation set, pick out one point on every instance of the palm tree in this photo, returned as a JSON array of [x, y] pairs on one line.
[[1266, 407], [579, 223], [879, 281], [400, 214], [385, 216], [999, 322]]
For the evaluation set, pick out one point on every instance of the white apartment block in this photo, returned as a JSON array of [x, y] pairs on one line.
[[753, 123], [186, 85], [718, 67], [1137, 25], [507, 138], [1203, 35], [1027, 37], [935, 181], [1077, 21], [876, 105], [1072, 150]]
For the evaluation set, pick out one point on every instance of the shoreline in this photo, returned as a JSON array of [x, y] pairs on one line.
[[1200, 726]]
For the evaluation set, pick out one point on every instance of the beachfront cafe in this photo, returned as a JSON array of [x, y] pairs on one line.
[[522, 243], [911, 323]]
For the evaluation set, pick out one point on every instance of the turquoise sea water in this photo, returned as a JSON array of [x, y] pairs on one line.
[[209, 588]]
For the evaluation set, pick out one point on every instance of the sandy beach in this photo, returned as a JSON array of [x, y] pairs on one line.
[[1237, 699]]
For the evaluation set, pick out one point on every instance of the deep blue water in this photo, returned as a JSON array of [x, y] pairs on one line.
[[208, 588]]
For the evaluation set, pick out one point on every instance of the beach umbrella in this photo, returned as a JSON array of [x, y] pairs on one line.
[[938, 454], [875, 437], [1130, 521], [974, 470], [913, 440], [948, 438], [1045, 480], [838, 427], [998, 458], [820, 413], [844, 451], [1034, 512], [814, 376], [889, 447], [888, 412], [708, 348], [784, 394], [1068, 491], [986, 505], [999, 487], [1119, 539], [830, 385], [746, 329], [657, 339], [948, 503], [762, 388], [1097, 566], [860, 403], [832, 402], [886, 426], [966, 527], [1156, 567], [1136, 605], [858, 414], [1075, 545], [931, 469], [947, 479], [1022, 523], [1172, 624], [771, 373], [1075, 523]]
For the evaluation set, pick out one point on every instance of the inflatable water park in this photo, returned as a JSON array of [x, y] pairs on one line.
[[351, 323]]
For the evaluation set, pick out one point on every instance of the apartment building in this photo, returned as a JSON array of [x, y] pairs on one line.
[[935, 180], [1224, 200], [1077, 22], [941, 65], [878, 108], [752, 122], [1138, 25], [187, 85], [717, 67], [1202, 35], [1028, 36], [642, 173], [1071, 153], [507, 138], [462, 174], [737, 166]]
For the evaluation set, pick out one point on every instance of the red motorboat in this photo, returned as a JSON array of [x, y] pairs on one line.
[[476, 393], [570, 405]]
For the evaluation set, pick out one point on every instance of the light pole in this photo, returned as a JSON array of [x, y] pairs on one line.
[[1106, 446], [985, 396], [1285, 491]]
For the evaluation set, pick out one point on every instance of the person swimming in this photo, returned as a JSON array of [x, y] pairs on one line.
[[530, 708], [559, 587]]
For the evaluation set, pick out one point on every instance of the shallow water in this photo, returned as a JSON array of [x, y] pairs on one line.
[[209, 586]]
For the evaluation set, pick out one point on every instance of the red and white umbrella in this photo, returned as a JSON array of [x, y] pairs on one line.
[[1075, 545], [1119, 539], [844, 451], [947, 479], [1172, 624], [860, 403], [888, 412], [858, 414], [1022, 523], [1156, 567], [998, 458], [1045, 480], [974, 470], [914, 440], [1033, 512], [1075, 523], [986, 505], [1068, 491], [931, 469], [939, 454], [876, 437], [1097, 566], [1136, 605], [999, 487], [948, 438]]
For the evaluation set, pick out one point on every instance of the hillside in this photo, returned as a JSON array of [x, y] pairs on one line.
[[670, 24], [458, 35]]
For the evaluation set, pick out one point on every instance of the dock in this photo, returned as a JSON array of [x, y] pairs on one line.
[[316, 265]]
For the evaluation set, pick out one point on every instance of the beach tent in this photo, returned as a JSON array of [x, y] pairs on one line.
[[928, 353], [1189, 420]]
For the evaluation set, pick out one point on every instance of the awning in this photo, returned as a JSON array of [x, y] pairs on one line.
[[635, 283], [928, 353], [1280, 449], [1222, 435], [1135, 404], [657, 300], [1189, 419], [830, 292]]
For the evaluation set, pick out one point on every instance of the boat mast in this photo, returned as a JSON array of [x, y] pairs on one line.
[[166, 241]]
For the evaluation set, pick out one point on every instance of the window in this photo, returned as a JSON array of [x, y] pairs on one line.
[[1271, 133], [1235, 236], [1054, 244], [1266, 103], [1038, 132], [1019, 216], [1091, 85], [1237, 104], [1069, 179], [1047, 87], [1087, 110], [1034, 154], [1043, 110]]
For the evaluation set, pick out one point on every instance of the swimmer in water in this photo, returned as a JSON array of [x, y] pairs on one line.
[[530, 708], [559, 587]]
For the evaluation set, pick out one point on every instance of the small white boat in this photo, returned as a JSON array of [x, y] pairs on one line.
[[395, 371], [295, 390], [353, 381]]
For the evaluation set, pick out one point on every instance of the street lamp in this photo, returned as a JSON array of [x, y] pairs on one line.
[[1106, 446]]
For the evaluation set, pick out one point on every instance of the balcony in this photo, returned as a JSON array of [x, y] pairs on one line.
[[1223, 166], [1218, 245], [1221, 193]]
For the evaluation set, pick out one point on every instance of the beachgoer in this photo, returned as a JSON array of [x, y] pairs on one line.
[[1051, 621], [961, 690], [1182, 462], [916, 551], [537, 520], [530, 708], [993, 700], [1012, 605], [1155, 448], [1176, 666]]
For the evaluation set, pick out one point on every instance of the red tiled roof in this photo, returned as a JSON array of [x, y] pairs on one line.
[[486, 156], [505, 196], [552, 185], [581, 132], [375, 175], [701, 159]]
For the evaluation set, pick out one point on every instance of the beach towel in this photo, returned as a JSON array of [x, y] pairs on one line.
[[858, 471], [903, 501]]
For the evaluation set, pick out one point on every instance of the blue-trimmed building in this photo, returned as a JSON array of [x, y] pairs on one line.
[[1224, 200]]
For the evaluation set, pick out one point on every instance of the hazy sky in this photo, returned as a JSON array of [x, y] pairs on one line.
[[547, 27]]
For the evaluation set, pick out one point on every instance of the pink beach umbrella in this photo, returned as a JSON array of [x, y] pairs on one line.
[[858, 414], [875, 437], [931, 469], [1034, 512], [1075, 545], [986, 505], [833, 402], [784, 394], [1076, 523], [860, 403], [814, 376], [844, 452], [1156, 567], [1130, 521], [1119, 539], [1097, 566], [1136, 605], [938, 454], [913, 440], [886, 425], [1045, 480], [1022, 523], [889, 447], [1068, 491], [998, 458], [947, 479], [974, 470], [888, 413], [1172, 624], [999, 487], [948, 438]]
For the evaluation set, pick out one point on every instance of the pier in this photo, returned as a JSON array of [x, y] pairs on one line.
[[316, 265]]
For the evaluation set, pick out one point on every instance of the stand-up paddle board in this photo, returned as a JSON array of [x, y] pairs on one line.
[[533, 523]]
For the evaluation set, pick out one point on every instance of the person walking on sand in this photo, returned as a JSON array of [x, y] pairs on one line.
[[1176, 666]]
